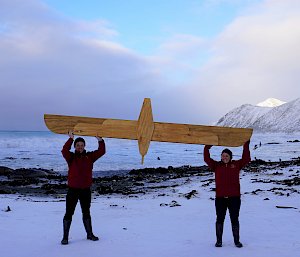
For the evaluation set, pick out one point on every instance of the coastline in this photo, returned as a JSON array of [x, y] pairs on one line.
[[43, 182], [154, 212]]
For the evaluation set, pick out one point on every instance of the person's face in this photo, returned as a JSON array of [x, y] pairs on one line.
[[225, 157], [79, 147]]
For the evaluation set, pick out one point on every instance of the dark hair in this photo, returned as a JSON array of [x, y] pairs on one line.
[[226, 150], [79, 139]]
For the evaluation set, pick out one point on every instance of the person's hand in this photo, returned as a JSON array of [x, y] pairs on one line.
[[99, 139], [71, 134]]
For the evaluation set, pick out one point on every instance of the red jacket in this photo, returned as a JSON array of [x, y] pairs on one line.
[[227, 176], [81, 164]]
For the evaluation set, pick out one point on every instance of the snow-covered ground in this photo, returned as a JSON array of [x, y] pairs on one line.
[[139, 226]]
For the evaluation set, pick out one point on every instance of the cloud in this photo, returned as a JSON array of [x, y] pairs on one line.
[[51, 64], [100, 29], [254, 58], [258, 54]]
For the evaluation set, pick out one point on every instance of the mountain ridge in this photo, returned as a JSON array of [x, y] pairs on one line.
[[281, 118]]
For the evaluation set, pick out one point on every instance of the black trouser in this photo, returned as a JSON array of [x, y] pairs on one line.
[[84, 197], [233, 204]]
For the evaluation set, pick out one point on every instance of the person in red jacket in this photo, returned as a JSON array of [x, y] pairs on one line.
[[228, 195], [80, 165]]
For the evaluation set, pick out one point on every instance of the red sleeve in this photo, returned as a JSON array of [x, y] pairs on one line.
[[99, 152], [246, 155], [209, 161], [66, 149]]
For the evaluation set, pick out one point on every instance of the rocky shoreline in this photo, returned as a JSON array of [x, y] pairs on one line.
[[42, 182]]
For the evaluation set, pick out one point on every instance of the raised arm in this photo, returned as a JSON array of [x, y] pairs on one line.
[[246, 155], [66, 149], [209, 161], [100, 151]]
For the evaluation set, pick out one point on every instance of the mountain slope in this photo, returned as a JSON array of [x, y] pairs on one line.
[[282, 118], [243, 116], [285, 118]]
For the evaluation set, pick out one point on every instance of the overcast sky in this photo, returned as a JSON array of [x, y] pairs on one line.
[[196, 60]]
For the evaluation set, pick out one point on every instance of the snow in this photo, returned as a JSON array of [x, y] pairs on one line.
[[144, 228], [285, 117], [262, 118], [243, 116], [139, 226], [271, 102]]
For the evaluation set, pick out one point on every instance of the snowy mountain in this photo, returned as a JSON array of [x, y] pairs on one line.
[[243, 116], [271, 102], [281, 118], [285, 118]]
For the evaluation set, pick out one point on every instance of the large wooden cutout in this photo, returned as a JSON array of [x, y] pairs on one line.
[[145, 130]]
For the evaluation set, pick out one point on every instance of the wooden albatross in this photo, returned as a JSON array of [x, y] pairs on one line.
[[146, 130]]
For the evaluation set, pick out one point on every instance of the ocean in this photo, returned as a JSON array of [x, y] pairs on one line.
[[26, 149]]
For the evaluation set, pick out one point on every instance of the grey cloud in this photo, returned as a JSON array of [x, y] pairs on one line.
[[47, 66], [254, 58], [51, 64]]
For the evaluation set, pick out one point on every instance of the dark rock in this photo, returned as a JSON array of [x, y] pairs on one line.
[[131, 192], [40, 181], [29, 173], [163, 204], [16, 183], [191, 194], [163, 186], [256, 191], [50, 192], [279, 193], [5, 171], [286, 207], [158, 170], [258, 162], [290, 182], [138, 184], [174, 204], [53, 186], [277, 173], [138, 178], [4, 192], [294, 141], [105, 190]]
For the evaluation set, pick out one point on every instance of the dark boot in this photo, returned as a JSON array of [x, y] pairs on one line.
[[66, 225], [236, 235], [88, 228], [219, 233]]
